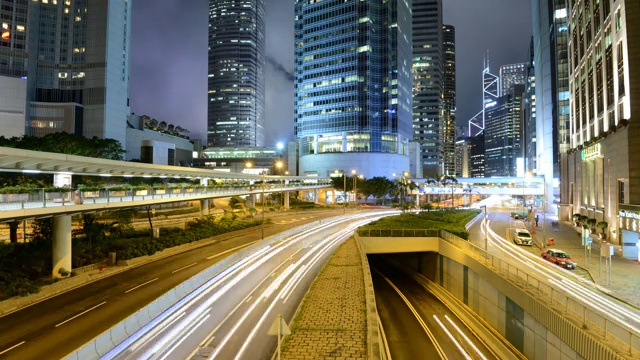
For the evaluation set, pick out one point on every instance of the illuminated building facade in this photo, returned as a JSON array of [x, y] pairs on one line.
[[74, 56], [510, 75], [235, 106], [552, 96], [529, 121], [502, 134], [428, 83], [352, 105], [490, 93], [449, 100], [603, 164]]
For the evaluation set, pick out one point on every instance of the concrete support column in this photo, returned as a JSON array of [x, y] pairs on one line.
[[252, 198], [204, 208], [316, 196], [286, 200], [61, 248]]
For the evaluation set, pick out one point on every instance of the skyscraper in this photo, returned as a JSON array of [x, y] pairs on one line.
[[552, 94], [502, 134], [75, 58], [490, 93], [235, 99], [449, 100], [428, 83], [604, 97], [510, 75], [352, 86]]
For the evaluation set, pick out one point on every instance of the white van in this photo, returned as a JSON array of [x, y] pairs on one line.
[[521, 237]]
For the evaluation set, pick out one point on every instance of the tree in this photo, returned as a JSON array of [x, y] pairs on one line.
[[235, 202], [448, 179], [377, 186], [162, 126], [153, 124], [171, 129]]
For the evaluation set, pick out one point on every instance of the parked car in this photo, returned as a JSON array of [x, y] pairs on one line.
[[521, 237], [560, 258]]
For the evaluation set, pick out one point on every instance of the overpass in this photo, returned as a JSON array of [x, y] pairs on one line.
[[63, 205], [484, 186]]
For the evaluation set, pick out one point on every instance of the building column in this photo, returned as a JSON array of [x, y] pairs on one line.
[[286, 200], [316, 196], [61, 249], [204, 208]]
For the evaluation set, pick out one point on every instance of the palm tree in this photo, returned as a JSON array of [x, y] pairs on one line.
[[448, 179]]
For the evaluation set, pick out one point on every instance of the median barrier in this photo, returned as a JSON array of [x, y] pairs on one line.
[[103, 343]]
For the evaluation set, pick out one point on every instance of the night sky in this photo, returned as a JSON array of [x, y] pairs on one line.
[[169, 58]]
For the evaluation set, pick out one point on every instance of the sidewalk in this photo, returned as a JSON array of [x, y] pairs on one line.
[[625, 279], [331, 323]]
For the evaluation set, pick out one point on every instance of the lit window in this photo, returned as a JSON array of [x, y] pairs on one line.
[[62, 75], [20, 28]]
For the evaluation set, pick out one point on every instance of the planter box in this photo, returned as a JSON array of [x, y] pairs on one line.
[[142, 192], [160, 191], [14, 197], [91, 194], [57, 196], [189, 190], [117, 193], [176, 191]]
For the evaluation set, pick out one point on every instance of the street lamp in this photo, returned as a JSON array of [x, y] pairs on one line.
[[344, 191], [279, 166], [355, 188], [249, 166], [263, 184], [486, 247]]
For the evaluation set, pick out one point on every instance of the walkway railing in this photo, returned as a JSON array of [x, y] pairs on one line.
[[43, 198]]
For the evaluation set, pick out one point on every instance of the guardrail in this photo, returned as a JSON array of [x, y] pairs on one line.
[[398, 232]]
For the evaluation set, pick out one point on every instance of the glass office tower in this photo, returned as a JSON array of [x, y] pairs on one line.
[[428, 83], [74, 56], [449, 100], [353, 102], [235, 100]]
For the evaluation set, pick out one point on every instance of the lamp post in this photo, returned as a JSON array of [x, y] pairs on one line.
[[279, 165], [250, 165], [486, 245], [263, 171], [355, 187], [344, 191]]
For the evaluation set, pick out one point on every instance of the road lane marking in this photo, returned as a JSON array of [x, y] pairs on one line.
[[82, 313], [143, 284], [182, 268], [231, 250], [11, 348]]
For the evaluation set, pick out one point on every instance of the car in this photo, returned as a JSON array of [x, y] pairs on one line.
[[560, 258], [521, 237]]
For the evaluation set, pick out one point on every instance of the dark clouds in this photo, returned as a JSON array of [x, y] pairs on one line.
[[169, 57]]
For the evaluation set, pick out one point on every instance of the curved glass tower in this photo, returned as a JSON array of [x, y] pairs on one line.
[[235, 101], [353, 86]]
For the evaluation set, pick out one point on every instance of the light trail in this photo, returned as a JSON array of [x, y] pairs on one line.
[[169, 331], [581, 293]]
